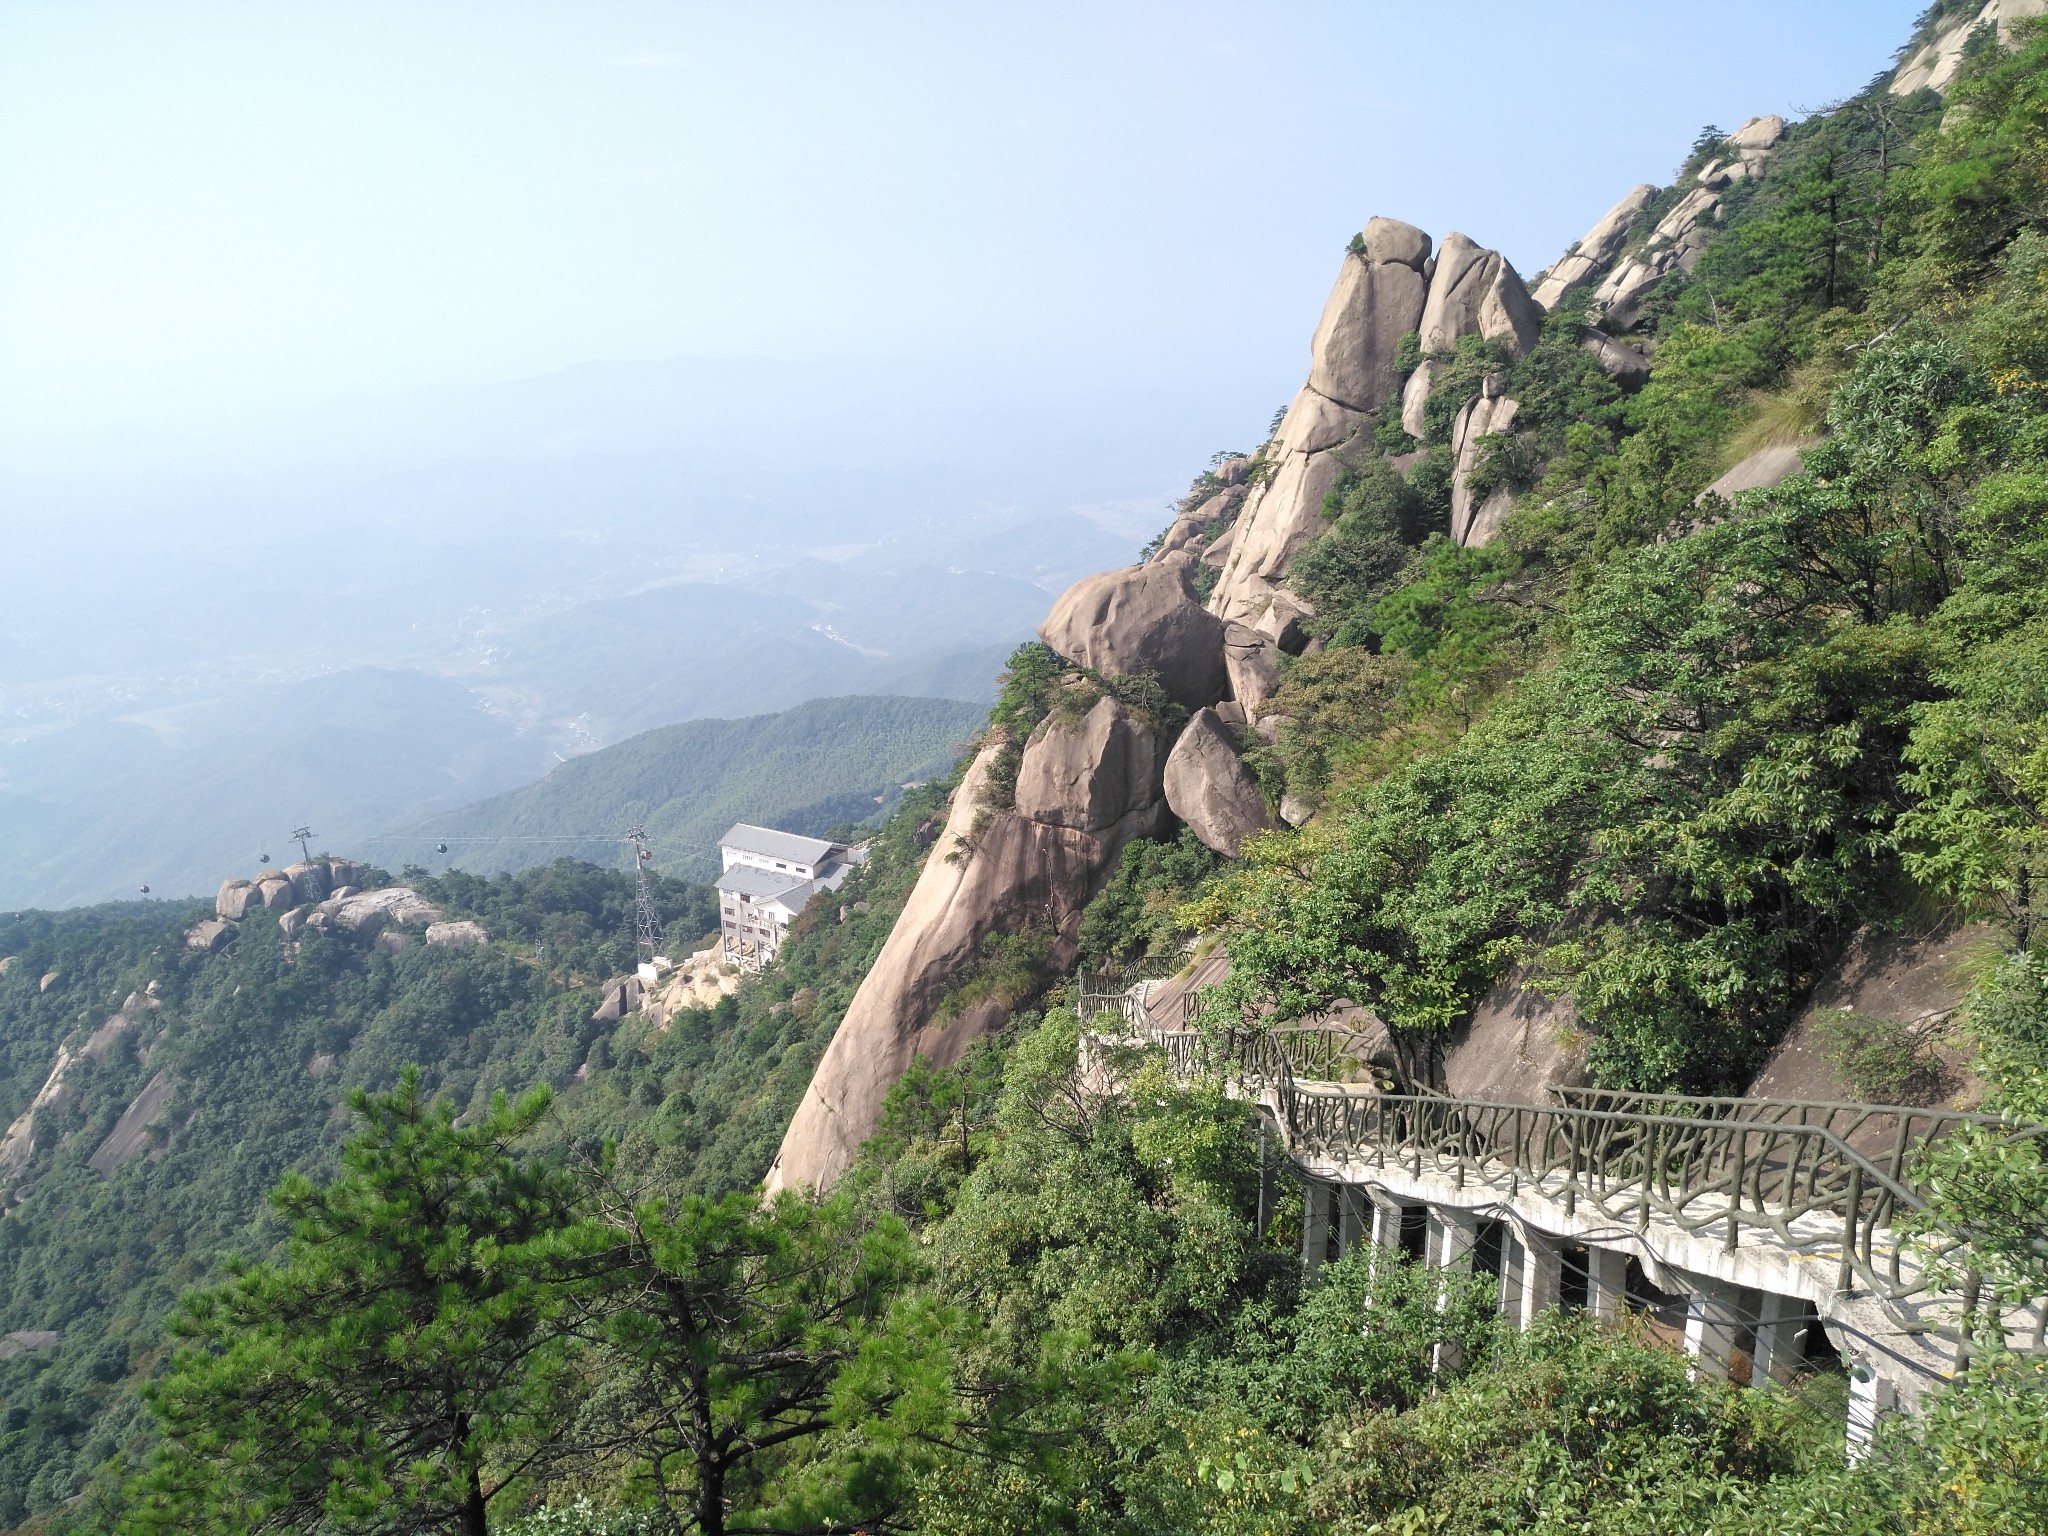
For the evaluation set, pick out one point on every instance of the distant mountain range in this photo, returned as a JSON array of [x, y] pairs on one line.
[[809, 769]]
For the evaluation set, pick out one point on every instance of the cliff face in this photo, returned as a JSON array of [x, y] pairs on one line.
[[1092, 787], [1086, 787], [1383, 360]]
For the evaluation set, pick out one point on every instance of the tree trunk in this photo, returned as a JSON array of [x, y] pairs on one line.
[[473, 1522], [710, 1496]]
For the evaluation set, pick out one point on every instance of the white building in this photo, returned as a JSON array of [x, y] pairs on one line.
[[768, 878]]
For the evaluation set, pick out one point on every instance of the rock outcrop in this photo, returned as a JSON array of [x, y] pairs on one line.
[[1209, 787], [1620, 362], [19, 1144], [130, 1135], [1674, 245], [236, 900], [990, 870], [1492, 413], [457, 935], [1100, 774], [1143, 619], [1933, 65], [371, 911], [1253, 662], [1518, 1044], [1763, 470], [211, 936], [1388, 287], [1595, 250], [1378, 299]]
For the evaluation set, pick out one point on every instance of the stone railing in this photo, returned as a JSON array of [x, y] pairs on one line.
[[1813, 1177]]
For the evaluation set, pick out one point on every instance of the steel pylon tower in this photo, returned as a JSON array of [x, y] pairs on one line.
[[646, 926]]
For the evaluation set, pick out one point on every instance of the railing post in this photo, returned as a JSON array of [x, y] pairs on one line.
[[1852, 1208], [1966, 1325], [1541, 1277], [1735, 1194], [1266, 1182], [1871, 1397], [1771, 1358]]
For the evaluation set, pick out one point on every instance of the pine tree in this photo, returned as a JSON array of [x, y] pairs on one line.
[[401, 1363]]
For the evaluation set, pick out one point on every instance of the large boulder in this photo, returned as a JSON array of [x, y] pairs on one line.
[[1388, 240], [1283, 517], [1596, 249], [235, 901], [395, 905], [1093, 773], [1217, 554], [1315, 422], [1477, 292], [309, 881], [1492, 413], [1377, 300], [1619, 361], [277, 892], [1763, 470], [1210, 789], [211, 936], [1143, 619], [989, 871], [1516, 1046], [341, 872], [457, 935], [1253, 661]]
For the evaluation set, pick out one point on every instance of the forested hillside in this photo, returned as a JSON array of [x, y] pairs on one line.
[[809, 769], [1662, 753], [262, 1046]]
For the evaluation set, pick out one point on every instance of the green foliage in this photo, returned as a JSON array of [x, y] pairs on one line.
[[1988, 176], [1884, 1060], [1991, 1189], [1132, 917], [397, 1366], [760, 1363]]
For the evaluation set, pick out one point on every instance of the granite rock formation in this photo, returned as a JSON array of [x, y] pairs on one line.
[[1209, 787], [991, 870]]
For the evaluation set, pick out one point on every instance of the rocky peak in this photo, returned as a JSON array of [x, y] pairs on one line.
[[1933, 65]]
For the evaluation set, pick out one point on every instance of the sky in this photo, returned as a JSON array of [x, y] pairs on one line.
[[211, 214]]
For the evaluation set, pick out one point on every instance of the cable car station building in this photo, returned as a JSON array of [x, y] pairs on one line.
[[767, 878]]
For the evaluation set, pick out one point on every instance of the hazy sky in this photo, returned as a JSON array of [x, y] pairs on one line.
[[207, 210]]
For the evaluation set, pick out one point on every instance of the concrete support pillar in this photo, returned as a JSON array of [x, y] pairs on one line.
[[1386, 1221], [1775, 1355], [1510, 1273], [1713, 1324], [1606, 1283], [1451, 1235], [1871, 1397], [1541, 1275], [1315, 1225], [1350, 1217]]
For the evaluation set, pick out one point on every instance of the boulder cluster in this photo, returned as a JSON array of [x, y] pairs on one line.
[[1209, 617], [326, 895], [1675, 244]]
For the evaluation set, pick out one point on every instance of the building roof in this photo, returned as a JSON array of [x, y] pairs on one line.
[[758, 884], [797, 897], [767, 843]]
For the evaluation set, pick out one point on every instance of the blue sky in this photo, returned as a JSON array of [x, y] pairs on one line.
[[213, 211]]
